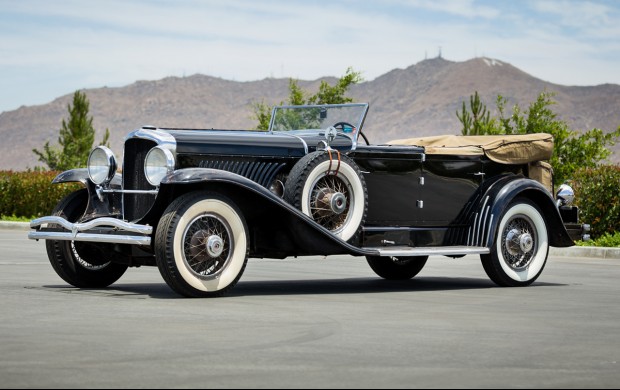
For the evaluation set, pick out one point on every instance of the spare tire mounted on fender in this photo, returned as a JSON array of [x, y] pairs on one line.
[[329, 188]]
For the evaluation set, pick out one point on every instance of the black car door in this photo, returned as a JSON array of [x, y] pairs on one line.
[[393, 179], [449, 181]]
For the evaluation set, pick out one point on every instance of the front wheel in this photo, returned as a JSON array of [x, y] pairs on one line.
[[81, 264], [397, 268], [201, 245], [521, 246]]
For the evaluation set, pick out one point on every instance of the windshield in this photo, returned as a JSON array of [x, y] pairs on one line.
[[348, 118]]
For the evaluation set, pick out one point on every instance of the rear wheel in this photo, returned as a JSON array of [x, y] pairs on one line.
[[521, 246], [201, 245], [81, 264], [397, 268]]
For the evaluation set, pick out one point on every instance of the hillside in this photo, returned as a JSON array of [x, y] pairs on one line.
[[419, 100]]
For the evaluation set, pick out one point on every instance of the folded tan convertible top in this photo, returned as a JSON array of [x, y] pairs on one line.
[[505, 149]]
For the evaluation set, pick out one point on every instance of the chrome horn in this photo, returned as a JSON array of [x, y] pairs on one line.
[[565, 195]]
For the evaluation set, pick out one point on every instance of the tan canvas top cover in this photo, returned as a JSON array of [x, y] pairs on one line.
[[505, 149]]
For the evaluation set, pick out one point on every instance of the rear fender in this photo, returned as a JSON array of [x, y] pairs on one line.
[[500, 194]]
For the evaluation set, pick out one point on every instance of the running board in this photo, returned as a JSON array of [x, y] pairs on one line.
[[405, 251]]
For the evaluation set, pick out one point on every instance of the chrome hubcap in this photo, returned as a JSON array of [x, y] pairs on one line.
[[526, 242], [338, 203], [215, 246], [519, 242]]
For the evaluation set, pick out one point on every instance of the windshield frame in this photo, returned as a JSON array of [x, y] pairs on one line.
[[354, 136]]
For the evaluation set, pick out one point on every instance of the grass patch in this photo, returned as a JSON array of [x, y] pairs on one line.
[[608, 240], [5, 218]]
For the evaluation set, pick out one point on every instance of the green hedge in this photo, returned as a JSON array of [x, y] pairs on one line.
[[609, 240], [597, 193], [31, 194]]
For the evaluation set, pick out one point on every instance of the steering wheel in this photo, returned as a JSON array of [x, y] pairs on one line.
[[341, 126]]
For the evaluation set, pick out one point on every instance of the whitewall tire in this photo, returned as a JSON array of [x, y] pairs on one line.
[[519, 253], [201, 245], [330, 191]]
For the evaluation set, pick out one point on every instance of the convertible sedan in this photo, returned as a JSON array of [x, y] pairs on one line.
[[198, 203]]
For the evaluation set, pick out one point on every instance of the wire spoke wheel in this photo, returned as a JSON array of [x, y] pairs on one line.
[[82, 264], [201, 244], [330, 189], [85, 264], [206, 245], [519, 242], [330, 202], [521, 246]]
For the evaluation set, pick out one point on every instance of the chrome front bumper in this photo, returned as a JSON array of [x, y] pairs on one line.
[[105, 230]]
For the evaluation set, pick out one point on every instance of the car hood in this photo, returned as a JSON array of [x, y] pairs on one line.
[[252, 143]]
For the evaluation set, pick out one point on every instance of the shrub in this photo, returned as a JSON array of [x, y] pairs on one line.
[[572, 150], [31, 194], [597, 193], [606, 240]]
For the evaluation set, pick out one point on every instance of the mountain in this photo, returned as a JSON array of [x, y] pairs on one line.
[[419, 100]]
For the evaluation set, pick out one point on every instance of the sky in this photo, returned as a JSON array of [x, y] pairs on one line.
[[53, 48]]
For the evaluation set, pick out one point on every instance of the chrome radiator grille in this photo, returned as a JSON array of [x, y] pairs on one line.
[[135, 206]]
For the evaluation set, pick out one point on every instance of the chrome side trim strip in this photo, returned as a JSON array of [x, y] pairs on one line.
[[303, 141], [489, 229], [478, 232], [483, 221]]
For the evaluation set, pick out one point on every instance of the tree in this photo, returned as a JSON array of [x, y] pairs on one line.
[[76, 138], [327, 94], [572, 149], [477, 120]]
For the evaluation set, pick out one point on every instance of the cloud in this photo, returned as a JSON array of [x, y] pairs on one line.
[[52, 48], [575, 14], [465, 8]]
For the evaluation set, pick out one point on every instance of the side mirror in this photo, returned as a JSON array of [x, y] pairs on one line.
[[323, 113]]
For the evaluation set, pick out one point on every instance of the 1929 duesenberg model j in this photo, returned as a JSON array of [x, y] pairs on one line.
[[198, 203]]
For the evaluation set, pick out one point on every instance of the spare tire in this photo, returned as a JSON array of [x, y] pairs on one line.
[[329, 188]]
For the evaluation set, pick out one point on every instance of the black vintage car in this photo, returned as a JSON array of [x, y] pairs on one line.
[[198, 203]]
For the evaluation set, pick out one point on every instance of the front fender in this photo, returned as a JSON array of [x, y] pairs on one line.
[[80, 175], [501, 194], [277, 229], [73, 176]]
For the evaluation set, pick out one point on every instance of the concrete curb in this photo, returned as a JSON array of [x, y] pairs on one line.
[[14, 225], [586, 251], [575, 251]]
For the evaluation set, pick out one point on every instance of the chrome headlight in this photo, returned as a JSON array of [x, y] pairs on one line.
[[159, 162], [565, 195], [101, 165]]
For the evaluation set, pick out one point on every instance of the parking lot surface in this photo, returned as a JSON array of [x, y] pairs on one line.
[[311, 322]]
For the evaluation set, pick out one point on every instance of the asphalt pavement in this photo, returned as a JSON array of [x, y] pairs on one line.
[[311, 322]]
